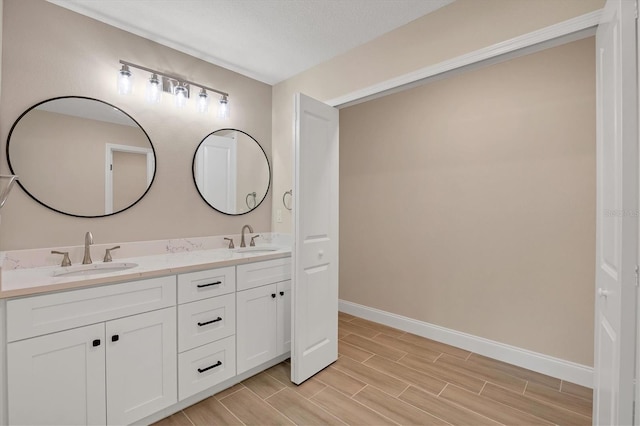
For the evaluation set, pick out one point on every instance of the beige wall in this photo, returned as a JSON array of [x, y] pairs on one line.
[[49, 51], [461, 27], [472, 204]]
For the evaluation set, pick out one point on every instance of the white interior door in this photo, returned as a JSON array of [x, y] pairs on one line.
[[617, 214], [217, 172], [315, 249], [148, 167]]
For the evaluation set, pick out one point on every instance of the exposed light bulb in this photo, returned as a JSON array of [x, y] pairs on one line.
[[181, 96], [154, 89], [203, 101], [125, 83], [223, 108]]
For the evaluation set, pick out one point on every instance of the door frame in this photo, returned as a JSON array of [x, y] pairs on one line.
[[110, 148], [574, 29]]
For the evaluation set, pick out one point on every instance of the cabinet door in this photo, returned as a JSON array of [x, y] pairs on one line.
[[256, 326], [284, 317], [58, 378], [141, 365]]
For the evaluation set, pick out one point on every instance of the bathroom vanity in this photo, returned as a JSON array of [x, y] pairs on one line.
[[139, 344]]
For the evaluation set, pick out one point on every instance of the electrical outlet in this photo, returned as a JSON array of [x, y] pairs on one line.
[[279, 216]]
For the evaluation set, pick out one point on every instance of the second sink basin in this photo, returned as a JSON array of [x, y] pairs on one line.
[[93, 268]]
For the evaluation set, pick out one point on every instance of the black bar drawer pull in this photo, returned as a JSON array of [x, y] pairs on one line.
[[96, 343], [217, 364], [115, 338], [200, 324], [208, 285]]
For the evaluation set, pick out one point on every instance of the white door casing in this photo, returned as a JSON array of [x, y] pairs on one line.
[[616, 214], [315, 249], [110, 148]]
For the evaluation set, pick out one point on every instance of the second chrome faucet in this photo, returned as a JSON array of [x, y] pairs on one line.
[[242, 243]]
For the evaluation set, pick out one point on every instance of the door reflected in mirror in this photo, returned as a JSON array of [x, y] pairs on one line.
[[231, 171], [81, 156]]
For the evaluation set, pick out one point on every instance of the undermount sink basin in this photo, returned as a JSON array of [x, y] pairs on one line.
[[257, 249], [92, 269]]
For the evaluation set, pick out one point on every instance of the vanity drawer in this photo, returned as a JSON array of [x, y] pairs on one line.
[[200, 285], [205, 321], [262, 273], [206, 366], [37, 315]]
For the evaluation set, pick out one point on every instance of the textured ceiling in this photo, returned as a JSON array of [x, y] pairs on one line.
[[268, 40]]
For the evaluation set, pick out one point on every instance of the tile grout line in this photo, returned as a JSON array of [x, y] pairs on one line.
[[275, 393], [372, 409], [229, 410], [235, 391], [552, 404], [322, 383], [307, 399], [442, 390], [324, 409], [188, 418]]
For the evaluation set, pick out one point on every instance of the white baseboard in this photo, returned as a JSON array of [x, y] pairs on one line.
[[545, 364]]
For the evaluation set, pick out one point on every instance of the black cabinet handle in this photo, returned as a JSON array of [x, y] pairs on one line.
[[217, 364], [210, 284], [273, 295], [96, 342], [115, 338], [200, 324], [282, 293]]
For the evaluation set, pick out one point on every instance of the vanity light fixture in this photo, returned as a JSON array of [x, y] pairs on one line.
[[124, 80], [154, 89], [203, 101], [223, 108], [182, 94], [179, 87]]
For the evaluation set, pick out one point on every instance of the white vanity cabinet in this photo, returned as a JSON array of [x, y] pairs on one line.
[[263, 312], [206, 329], [58, 378], [138, 351], [92, 356]]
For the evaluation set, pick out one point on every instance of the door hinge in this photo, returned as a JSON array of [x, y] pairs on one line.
[[637, 276]]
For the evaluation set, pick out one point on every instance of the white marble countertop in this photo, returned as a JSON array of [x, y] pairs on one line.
[[30, 281]]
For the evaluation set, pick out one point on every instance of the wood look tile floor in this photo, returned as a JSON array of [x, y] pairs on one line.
[[385, 376]]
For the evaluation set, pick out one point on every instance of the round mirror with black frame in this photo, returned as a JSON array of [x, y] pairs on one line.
[[80, 156], [231, 171]]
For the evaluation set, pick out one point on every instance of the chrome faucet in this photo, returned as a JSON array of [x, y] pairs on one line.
[[88, 240], [242, 243]]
